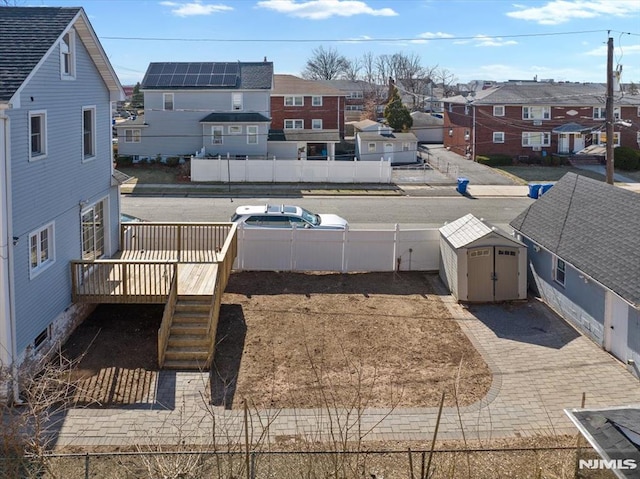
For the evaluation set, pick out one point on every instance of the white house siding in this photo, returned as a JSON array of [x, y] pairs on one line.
[[634, 340], [52, 189], [449, 266]]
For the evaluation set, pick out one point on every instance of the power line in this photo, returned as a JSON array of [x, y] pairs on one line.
[[350, 40]]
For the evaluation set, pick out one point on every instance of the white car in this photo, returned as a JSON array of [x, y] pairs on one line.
[[286, 216]]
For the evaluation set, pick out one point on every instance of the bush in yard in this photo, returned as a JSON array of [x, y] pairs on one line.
[[173, 161], [124, 160], [626, 158], [495, 160]]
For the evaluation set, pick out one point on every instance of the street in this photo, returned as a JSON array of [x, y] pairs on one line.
[[360, 211]]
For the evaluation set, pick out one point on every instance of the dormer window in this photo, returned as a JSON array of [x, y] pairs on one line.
[[67, 56]]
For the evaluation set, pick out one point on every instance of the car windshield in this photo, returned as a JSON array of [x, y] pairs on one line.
[[310, 217]]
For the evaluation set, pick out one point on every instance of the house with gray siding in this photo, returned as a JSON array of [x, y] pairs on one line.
[[215, 108], [58, 199], [584, 261], [380, 142]]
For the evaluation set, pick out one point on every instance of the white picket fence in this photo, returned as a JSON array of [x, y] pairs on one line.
[[225, 169], [345, 251]]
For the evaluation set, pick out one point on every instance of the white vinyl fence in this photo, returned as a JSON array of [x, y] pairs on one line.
[[345, 251], [225, 169]]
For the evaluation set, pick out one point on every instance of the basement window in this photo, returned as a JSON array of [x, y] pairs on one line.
[[42, 337]]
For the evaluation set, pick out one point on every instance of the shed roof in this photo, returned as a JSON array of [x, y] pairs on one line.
[[593, 226], [468, 229]]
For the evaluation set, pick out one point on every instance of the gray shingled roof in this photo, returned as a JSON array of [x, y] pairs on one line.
[[26, 34], [204, 75], [593, 226], [245, 117], [545, 93]]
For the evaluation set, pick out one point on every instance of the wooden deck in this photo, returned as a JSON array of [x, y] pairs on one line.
[[197, 279]]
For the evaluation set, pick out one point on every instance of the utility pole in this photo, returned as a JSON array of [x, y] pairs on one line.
[[609, 112]]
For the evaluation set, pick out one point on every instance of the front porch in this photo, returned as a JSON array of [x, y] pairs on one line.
[[185, 266]]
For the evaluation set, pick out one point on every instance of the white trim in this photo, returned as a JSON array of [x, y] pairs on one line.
[[237, 105], [136, 135], [319, 125], [294, 99], [94, 133], [500, 138], [251, 135], [234, 129], [544, 137], [293, 124], [71, 75], [499, 110], [314, 98], [555, 270], [165, 97], [214, 129], [44, 137], [41, 266], [105, 226], [536, 112]]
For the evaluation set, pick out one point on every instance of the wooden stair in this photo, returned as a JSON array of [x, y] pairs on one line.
[[188, 344]]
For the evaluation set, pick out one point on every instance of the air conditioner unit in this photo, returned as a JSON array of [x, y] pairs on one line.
[[537, 148], [466, 137], [537, 122]]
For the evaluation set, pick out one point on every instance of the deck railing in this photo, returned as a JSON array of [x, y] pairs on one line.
[[167, 320], [185, 242], [122, 281]]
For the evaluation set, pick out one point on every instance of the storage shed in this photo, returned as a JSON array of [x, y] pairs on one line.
[[481, 263]]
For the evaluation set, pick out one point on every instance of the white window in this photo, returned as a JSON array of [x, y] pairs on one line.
[[498, 110], [354, 108], [354, 94], [316, 124], [536, 138], [93, 227], [216, 135], [293, 100], [600, 113], [536, 112], [37, 135], [132, 135], [498, 136], [167, 100], [252, 135], [67, 56], [639, 111], [235, 129], [559, 270], [236, 101], [372, 147], [293, 124], [88, 133], [316, 101], [406, 146], [600, 138], [41, 250]]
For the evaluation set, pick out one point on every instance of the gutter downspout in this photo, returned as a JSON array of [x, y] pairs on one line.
[[473, 134], [6, 253]]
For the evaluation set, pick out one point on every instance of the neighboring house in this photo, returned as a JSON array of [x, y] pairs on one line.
[[307, 119], [382, 143], [221, 108], [58, 199], [358, 95], [584, 260], [529, 120]]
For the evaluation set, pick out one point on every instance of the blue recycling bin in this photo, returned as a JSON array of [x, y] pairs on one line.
[[462, 186], [545, 187], [534, 190]]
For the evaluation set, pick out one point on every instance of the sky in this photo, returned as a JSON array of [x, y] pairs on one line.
[[498, 40]]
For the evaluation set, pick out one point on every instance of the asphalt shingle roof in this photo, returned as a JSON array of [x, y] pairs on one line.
[[26, 34], [244, 76], [468, 229], [593, 226]]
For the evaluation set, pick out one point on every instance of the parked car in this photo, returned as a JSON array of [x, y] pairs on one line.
[[286, 216]]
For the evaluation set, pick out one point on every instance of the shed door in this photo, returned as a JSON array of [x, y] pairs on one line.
[[506, 273], [616, 326], [480, 274]]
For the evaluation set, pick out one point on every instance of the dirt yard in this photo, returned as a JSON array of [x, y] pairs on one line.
[[299, 340]]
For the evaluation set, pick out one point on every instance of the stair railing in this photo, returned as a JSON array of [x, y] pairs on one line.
[[167, 319]]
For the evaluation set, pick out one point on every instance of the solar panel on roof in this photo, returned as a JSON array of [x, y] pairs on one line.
[[164, 80], [232, 69], [168, 68], [229, 80], [216, 80], [206, 68], [194, 68], [152, 80], [182, 67], [218, 68], [190, 80], [203, 80], [155, 68], [177, 79]]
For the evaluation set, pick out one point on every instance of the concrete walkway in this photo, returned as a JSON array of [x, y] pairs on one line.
[[540, 366]]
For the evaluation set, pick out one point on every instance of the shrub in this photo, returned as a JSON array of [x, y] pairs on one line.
[[124, 160], [495, 160], [173, 161], [626, 158]]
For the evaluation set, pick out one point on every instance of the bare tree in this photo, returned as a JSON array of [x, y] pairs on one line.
[[352, 69], [446, 80], [325, 65]]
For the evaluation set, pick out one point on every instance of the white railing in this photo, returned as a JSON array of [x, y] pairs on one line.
[[225, 169], [350, 250]]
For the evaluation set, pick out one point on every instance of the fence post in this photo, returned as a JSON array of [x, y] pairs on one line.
[[86, 466]]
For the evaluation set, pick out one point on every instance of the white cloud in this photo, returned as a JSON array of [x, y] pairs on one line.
[[556, 12], [194, 8], [601, 51], [430, 35], [360, 39], [485, 41], [323, 9]]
